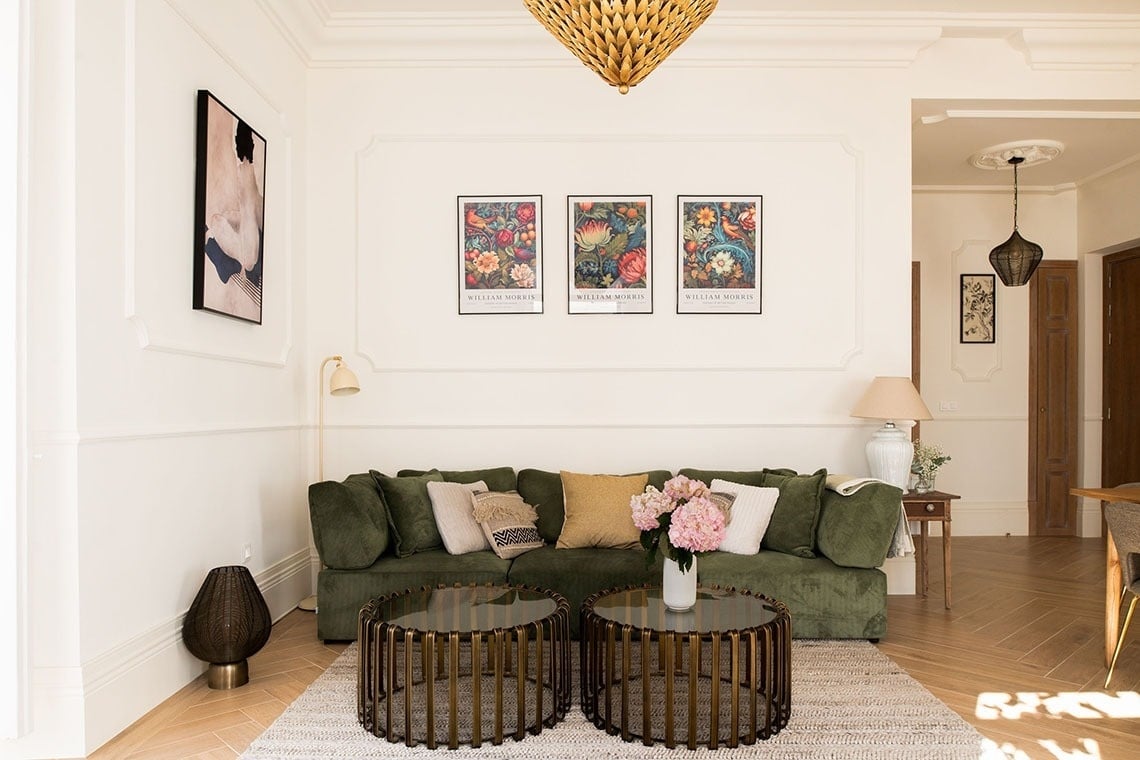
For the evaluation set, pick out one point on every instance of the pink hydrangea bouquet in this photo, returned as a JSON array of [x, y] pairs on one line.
[[682, 520]]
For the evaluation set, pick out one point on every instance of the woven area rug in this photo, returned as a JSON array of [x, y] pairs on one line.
[[848, 701]]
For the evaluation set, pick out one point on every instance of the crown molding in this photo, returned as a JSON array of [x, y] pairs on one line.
[[330, 37]]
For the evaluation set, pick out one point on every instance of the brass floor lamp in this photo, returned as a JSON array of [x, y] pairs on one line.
[[342, 382]]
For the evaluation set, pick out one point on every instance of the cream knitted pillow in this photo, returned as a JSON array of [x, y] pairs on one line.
[[452, 505], [748, 519]]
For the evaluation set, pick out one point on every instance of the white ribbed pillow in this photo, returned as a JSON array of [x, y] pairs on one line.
[[751, 512], [452, 506]]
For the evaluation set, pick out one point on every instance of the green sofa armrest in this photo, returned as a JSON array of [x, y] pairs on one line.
[[350, 524], [857, 530]]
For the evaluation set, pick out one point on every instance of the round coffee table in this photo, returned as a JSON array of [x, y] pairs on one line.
[[463, 664], [719, 673]]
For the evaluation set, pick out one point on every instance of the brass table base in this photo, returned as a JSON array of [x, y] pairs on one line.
[[515, 680], [687, 688]]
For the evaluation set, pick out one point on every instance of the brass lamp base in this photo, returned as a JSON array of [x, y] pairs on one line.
[[228, 675]]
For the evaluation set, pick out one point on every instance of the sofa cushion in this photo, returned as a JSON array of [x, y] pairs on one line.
[[796, 517], [508, 522], [857, 530], [597, 511], [544, 490], [451, 505], [496, 478], [409, 511], [342, 593], [350, 524], [749, 516], [744, 477], [577, 573], [825, 601]]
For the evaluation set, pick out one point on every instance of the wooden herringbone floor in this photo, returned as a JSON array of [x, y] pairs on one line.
[[1020, 656]]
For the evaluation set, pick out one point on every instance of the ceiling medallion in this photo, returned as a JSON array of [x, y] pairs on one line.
[[1031, 153]]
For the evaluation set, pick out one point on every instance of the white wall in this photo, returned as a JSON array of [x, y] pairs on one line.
[[987, 437], [162, 439]]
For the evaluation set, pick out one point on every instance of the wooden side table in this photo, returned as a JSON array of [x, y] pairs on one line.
[[924, 508]]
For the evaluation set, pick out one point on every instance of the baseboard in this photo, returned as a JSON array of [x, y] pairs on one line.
[[124, 683], [1089, 518], [900, 575], [985, 518]]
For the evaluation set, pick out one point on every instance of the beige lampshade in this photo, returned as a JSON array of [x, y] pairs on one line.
[[343, 381], [891, 398]]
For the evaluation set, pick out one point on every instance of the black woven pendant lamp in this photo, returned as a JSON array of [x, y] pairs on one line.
[[227, 622], [1016, 259]]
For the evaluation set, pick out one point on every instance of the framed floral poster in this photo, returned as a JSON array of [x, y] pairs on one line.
[[500, 254], [229, 213], [611, 255], [719, 254], [978, 318]]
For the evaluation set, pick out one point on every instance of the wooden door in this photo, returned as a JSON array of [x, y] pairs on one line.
[[1120, 445], [1053, 419]]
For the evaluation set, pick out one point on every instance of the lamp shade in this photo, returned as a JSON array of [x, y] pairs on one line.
[[227, 622], [1016, 259], [343, 381], [891, 398]]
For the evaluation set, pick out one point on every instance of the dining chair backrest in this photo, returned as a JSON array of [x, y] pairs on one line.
[[1123, 519]]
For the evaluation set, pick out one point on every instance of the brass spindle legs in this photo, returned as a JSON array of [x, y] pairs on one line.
[[527, 667], [692, 691]]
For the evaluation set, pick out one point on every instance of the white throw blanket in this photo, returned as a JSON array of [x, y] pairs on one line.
[[845, 485]]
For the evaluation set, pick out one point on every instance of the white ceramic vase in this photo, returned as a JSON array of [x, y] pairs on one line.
[[679, 590]]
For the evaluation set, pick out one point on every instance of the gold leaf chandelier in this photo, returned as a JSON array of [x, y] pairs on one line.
[[622, 40]]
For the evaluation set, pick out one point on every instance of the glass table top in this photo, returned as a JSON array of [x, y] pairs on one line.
[[466, 608], [716, 610]]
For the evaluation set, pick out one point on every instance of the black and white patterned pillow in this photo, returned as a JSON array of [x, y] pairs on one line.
[[508, 522]]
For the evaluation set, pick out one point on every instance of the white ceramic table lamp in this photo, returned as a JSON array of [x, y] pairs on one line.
[[890, 452]]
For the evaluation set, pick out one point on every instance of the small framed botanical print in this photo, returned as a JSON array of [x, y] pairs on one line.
[[719, 254], [610, 254], [500, 254], [978, 318]]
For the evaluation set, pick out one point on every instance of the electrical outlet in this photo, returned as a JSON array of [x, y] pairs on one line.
[[947, 406], [246, 552]]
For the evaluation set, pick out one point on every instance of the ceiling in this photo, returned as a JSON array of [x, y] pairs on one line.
[[1098, 135]]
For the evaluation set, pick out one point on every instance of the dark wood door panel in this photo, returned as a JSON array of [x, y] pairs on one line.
[[1053, 420], [1120, 445]]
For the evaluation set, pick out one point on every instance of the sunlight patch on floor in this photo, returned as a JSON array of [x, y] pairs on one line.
[[1089, 750], [1085, 705]]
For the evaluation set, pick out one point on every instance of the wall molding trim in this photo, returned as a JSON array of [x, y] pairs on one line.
[[181, 432], [165, 639], [331, 33], [145, 331], [840, 362], [977, 373]]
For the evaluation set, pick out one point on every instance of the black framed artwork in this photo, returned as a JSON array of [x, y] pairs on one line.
[[229, 213], [978, 322]]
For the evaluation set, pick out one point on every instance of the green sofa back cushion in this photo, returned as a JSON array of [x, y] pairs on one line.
[[796, 518], [857, 530], [543, 491], [409, 511], [496, 478], [743, 477], [350, 523]]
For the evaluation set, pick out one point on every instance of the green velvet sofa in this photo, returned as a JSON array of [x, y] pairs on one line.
[[825, 564]]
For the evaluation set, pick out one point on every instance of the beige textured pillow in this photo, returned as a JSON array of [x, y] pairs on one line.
[[452, 506], [597, 511], [507, 521]]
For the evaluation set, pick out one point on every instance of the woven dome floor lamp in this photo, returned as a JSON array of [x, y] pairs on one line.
[[227, 623]]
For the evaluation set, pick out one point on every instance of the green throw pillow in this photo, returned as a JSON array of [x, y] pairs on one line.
[[409, 511], [796, 518], [743, 477], [857, 530], [350, 524], [496, 478]]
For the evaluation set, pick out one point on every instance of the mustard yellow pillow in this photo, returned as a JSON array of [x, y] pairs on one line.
[[597, 511]]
